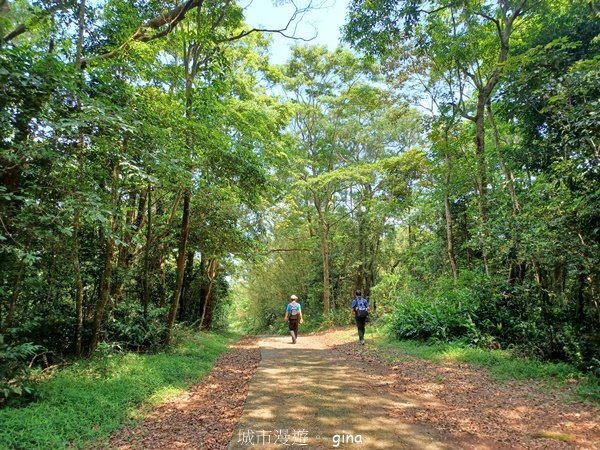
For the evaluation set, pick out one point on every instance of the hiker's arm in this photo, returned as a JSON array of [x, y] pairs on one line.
[[301, 317], [286, 316]]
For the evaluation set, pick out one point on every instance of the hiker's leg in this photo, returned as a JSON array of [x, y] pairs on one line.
[[293, 330], [360, 323]]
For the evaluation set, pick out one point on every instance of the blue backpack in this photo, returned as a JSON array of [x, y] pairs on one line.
[[361, 308], [294, 308]]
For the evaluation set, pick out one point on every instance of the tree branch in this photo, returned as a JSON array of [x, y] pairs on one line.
[[281, 31], [23, 27], [151, 29], [174, 16], [441, 8]]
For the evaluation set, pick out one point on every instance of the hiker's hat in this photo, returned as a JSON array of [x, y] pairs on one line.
[[293, 297]]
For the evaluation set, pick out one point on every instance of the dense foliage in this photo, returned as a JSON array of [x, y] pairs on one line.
[[448, 165], [513, 215], [133, 170]]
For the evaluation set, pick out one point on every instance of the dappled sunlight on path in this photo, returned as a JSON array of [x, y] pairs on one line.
[[308, 396]]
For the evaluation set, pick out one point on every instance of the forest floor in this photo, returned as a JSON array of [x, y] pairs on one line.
[[329, 392]]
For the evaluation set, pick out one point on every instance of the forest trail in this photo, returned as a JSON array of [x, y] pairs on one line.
[[327, 390], [308, 396]]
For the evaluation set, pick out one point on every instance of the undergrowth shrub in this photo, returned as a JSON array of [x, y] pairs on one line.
[[443, 312], [14, 368], [129, 329], [483, 312]]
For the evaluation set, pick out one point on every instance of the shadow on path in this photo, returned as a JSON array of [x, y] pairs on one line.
[[307, 396]]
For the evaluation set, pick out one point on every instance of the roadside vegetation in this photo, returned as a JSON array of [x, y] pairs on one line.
[[84, 402]]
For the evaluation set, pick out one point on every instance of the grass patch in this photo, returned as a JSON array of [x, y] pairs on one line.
[[501, 364], [87, 401], [556, 436]]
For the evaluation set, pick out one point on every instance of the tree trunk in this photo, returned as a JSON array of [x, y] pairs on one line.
[[146, 295], [185, 231], [362, 248], [125, 253], [508, 175], [325, 257], [77, 214], [108, 267], [206, 320], [448, 214], [78, 282], [104, 292], [186, 301], [161, 295], [323, 229], [482, 176], [509, 178]]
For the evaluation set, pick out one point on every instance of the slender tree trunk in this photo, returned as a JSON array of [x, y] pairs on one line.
[[594, 296], [190, 65], [80, 34], [213, 266], [184, 309], [362, 248], [325, 257], [199, 307], [482, 177], [161, 250], [185, 231], [508, 175], [125, 252], [77, 213], [516, 207], [109, 263], [324, 238], [146, 297], [78, 282], [104, 291], [448, 214]]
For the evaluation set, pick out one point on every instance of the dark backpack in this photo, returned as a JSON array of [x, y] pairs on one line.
[[361, 308]]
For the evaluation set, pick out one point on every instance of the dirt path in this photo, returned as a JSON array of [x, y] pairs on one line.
[[327, 392], [308, 395]]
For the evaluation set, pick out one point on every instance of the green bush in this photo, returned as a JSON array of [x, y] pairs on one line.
[[440, 319], [14, 369], [443, 313], [129, 328], [52, 326]]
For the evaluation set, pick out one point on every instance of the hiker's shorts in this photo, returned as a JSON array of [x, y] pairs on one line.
[[360, 324], [293, 325]]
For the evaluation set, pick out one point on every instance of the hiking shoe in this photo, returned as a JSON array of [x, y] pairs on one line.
[[362, 342]]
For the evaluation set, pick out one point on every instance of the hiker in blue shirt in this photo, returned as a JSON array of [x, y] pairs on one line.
[[360, 308], [293, 314]]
